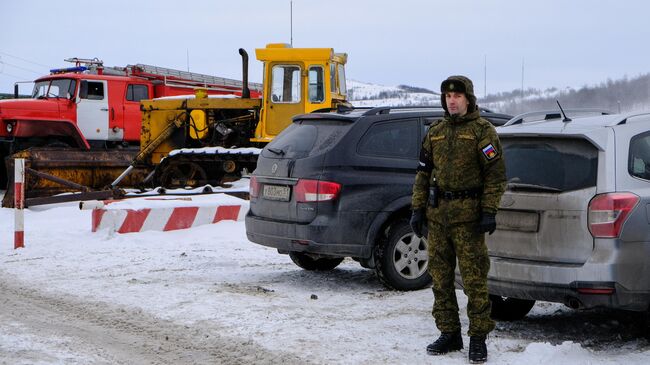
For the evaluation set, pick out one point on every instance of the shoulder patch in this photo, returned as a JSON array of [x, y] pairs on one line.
[[489, 152]]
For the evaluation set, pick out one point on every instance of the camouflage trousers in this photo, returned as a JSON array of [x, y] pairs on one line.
[[445, 244]]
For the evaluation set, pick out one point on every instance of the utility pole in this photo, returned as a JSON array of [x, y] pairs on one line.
[[291, 20], [522, 78], [187, 50], [485, 76]]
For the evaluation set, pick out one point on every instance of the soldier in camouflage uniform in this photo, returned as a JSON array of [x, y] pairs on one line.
[[458, 186]]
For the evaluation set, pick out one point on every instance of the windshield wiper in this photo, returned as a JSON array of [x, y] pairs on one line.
[[531, 187], [277, 151]]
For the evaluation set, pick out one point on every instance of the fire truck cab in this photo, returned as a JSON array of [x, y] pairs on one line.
[[77, 109]]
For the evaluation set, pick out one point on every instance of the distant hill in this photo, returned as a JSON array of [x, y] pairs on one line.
[[365, 94], [626, 95]]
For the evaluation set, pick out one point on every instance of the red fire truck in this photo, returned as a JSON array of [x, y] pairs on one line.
[[90, 106]]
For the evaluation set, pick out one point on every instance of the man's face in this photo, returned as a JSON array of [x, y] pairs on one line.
[[457, 103]]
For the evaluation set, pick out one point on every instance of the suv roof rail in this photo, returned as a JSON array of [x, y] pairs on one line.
[[387, 109], [552, 114], [634, 117], [403, 109]]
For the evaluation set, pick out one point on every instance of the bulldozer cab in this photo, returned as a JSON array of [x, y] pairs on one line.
[[297, 81]]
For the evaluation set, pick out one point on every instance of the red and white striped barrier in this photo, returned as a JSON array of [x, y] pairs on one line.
[[19, 203], [165, 214]]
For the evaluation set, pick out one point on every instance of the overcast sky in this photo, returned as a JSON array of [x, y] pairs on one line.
[[568, 43]]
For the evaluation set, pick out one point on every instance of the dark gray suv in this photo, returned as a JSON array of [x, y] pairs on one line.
[[336, 185]]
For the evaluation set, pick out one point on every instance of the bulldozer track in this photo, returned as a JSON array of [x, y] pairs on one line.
[[196, 169]]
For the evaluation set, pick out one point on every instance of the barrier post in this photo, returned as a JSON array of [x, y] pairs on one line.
[[19, 203]]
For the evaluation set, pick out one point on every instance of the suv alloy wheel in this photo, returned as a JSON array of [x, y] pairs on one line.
[[401, 260]]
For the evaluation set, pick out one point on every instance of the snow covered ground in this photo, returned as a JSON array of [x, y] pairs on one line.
[[208, 295]]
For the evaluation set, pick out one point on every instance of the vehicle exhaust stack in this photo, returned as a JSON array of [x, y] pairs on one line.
[[245, 92], [573, 303], [15, 91]]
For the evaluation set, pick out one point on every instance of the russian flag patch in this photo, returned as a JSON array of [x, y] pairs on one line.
[[489, 151]]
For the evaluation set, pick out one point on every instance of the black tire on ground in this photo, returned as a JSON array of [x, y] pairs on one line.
[[401, 258], [309, 263], [510, 309], [645, 322], [4, 178]]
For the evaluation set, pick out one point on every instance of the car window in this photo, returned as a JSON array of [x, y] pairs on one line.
[[639, 157], [391, 139], [137, 92], [316, 84], [92, 90], [285, 84], [342, 86], [306, 138], [553, 163]]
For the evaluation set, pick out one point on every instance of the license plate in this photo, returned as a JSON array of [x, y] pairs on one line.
[[513, 220], [276, 192]]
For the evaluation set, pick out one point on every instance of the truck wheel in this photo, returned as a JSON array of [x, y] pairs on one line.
[[401, 258], [309, 263], [4, 179], [510, 309]]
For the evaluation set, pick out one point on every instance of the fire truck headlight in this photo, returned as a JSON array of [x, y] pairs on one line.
[[10, 127]]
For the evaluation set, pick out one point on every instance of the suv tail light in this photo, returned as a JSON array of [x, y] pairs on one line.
[[254, 189], [608, 212], [316, 190]]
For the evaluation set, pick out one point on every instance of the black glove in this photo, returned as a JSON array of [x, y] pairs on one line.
[[417, 221], [488, 223]]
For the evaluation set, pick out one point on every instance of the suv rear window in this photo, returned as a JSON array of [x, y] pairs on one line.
[[391, 139], [549, 164], [306, 138], [639, 161]]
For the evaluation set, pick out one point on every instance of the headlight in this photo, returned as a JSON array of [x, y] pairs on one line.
[[10, 127]]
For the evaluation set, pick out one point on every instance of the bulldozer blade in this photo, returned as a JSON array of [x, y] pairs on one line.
[[64, 170]]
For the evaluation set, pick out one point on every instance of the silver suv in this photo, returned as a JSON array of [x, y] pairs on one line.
[[574, 222]]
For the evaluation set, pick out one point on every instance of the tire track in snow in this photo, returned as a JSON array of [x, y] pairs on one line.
[[109, 334]]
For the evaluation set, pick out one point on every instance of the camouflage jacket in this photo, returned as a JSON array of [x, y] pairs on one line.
[[460, 153]]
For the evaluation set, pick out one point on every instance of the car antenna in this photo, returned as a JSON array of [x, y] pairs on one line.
[[566, 119]]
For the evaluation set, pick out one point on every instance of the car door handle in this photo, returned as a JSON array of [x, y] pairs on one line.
[[104, 109]]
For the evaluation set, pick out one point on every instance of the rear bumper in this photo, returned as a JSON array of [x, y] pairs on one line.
[[571, 295], [615, 276], [340, 238]]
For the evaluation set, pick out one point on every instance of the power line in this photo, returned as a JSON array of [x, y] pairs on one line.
[[25, 60], [21, 68], [12, 75]]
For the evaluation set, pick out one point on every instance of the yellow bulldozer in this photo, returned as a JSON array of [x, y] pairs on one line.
[[199, 139]]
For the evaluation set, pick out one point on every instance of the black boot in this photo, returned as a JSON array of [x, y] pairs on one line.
[[477, 350], [447, 342]]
